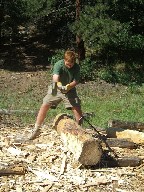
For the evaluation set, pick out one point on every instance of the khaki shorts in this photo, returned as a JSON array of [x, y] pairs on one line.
[[70, 99]]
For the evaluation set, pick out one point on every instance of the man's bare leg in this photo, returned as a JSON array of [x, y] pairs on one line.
[[40, 119], [78, 114], [42, 114]]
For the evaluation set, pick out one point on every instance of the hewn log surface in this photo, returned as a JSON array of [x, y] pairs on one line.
[[126, 125], [84, 147], [135, 136]]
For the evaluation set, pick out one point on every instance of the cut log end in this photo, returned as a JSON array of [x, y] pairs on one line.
[[91, 153]]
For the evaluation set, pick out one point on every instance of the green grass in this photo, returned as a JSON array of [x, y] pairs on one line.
[[119, 104], [114, 102]]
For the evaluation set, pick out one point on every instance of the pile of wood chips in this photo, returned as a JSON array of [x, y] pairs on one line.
[[44, 164]]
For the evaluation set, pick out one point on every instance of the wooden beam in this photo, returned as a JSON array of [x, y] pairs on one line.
[[122, 162], [84, 147], [122, 143], [126, 124]]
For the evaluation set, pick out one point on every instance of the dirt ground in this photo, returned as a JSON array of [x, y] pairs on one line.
[[49, 167]]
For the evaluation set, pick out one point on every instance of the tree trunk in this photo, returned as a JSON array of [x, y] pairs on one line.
[[79, 40], [84, 147]]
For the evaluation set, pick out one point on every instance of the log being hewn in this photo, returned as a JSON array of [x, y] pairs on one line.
[[122, 143], [84, 147], [135, 136], [126, 125]]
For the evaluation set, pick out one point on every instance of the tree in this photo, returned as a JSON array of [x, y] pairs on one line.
[[103, 26], [79, 40]]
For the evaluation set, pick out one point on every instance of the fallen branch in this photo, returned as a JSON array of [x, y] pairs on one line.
[[10, 111], [13, 170]]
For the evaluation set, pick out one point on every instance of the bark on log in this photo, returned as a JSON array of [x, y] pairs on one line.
[[84, 147], [122, 143], [123, 162], [126, 125], [13, 170], [135, 136]]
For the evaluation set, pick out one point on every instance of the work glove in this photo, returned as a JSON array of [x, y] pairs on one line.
[[66, 88], [59, 85]]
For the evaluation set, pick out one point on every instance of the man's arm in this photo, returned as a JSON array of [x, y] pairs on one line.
[[55, 78], [73, 84]]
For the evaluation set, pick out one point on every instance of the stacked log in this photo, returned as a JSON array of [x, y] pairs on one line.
[[125, 130], [126, 125]]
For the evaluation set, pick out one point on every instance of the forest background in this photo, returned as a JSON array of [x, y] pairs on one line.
[[107, 36]]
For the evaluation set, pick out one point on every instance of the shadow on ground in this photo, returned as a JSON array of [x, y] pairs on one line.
[[25, 54]]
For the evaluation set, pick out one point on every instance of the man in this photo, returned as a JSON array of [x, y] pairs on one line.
[[66, 75]]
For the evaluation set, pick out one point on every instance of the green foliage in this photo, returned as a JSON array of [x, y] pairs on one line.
[[87, 69], [13, 14], [97, 28], [56, 57], [123, 73], [39, 8]]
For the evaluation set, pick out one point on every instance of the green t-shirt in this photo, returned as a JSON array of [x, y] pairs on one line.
[[67, 75]]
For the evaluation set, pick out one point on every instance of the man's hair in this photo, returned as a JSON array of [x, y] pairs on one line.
[[70, 56]]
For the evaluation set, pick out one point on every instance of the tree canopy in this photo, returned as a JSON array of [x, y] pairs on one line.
[[111, 29]]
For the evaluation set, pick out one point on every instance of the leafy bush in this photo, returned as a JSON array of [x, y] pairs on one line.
[[88, 69], [57, 56]]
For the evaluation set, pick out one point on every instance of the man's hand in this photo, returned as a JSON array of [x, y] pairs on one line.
[[68, 87], [59, 85], [64, 89]]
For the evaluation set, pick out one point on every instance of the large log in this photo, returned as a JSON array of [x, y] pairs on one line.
[[135, 136], [86, 149], [126, 124]]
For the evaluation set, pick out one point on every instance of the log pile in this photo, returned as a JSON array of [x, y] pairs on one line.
[[126, 130]]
